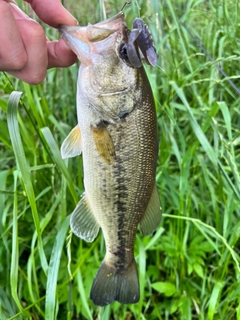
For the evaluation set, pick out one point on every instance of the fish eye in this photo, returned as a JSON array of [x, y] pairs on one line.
[[123, 52]]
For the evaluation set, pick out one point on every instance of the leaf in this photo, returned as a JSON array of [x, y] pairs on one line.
[[190, 268], [213, 300], [198, 269], [167, 288]]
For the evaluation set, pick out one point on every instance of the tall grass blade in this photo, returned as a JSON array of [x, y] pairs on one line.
[[195, 126], [51, 298], [58, 159], [15, 251], [210, 58], [213, 300], [23, 167], [83, 296], [141, 258]]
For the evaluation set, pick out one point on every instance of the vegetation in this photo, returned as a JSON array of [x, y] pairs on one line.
[[189, 269]]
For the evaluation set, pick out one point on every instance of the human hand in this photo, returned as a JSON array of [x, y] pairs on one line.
[[25, 51]]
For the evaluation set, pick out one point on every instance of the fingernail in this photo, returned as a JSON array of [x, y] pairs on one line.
[[70, 15], [17, 12]]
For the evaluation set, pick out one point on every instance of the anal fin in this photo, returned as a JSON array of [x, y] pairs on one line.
[[153, 214], [83, 222], [71, 146]]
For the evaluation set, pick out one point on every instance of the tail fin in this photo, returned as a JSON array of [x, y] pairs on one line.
[[111, 284]]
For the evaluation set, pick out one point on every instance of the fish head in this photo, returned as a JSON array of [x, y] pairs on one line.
[[93, 39], [100, 49]]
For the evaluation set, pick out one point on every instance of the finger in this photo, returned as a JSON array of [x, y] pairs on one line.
[[52, 12], [34, 40], [13, 55], [59, 54]]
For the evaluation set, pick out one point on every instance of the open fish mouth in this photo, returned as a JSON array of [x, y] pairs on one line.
[[79, 38], [137, 45]]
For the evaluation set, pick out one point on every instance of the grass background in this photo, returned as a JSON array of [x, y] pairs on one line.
[[190, 268]]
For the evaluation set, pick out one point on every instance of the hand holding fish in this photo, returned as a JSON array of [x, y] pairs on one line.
[[25, 51]]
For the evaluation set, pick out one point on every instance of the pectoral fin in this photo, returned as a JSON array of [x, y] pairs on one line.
[[71, 146], [83, 222], [152, 216], [104, 144]]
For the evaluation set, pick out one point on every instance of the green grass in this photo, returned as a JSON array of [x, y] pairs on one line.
[[190, 268]]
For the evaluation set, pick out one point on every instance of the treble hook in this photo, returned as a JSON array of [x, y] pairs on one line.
[[127, 2]]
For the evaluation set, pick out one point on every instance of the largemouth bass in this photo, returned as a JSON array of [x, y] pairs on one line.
[[117, 136]]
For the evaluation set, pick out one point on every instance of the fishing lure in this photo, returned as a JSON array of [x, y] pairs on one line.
[[139, 45]]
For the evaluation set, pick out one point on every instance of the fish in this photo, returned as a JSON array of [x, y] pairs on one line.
[[116, 133]]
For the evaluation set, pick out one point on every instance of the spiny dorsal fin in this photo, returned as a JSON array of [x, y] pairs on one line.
[[152, 216], [104, 143], [83, 222], [71, 146]]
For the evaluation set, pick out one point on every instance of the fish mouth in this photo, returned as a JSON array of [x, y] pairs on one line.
[[75, 38], [81, 38]]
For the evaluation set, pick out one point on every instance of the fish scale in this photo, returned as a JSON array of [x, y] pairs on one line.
[[117, 136]]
